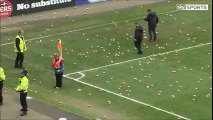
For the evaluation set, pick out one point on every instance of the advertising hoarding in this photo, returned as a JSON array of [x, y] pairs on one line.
[[18, 7], [81, 2]]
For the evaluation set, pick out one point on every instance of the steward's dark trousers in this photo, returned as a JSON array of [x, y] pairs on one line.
[[152, 32], [19, 60], [138, 45], [59, 77], [1, 87], [23, 100]]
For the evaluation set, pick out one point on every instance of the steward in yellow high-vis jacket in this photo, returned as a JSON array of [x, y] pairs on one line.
[[20, 47], [2, 78], [22, 89]]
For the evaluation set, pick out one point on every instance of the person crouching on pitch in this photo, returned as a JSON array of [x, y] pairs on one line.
[[58, 65]]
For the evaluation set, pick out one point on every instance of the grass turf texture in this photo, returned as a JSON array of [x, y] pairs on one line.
[[153, 81]]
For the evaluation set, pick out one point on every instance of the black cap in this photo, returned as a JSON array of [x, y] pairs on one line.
[[24, 72]]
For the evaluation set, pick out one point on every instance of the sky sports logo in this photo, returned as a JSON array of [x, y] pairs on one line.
[[192, 6]]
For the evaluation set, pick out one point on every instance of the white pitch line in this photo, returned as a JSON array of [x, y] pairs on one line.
[[159, 54], [82, 76], [131, 99], [87, 28]]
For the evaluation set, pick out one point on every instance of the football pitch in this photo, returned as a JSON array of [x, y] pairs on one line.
[[105, 78]]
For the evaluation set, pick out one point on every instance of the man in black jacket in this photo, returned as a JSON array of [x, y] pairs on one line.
[[152, 20], [138, 37]]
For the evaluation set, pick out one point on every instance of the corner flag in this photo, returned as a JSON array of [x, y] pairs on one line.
[[59, 46]]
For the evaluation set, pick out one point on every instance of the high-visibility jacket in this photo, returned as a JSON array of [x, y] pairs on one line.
[[58, 65], [23, 84], [2, 76], [22, 45]]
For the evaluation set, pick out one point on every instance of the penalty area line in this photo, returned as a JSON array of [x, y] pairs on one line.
[[128, 98], [141, 58]]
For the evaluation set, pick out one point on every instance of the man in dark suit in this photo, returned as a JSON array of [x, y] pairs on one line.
[[138, 37], [152, 20]]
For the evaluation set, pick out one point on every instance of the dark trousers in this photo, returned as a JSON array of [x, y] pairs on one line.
[[59, 77], [1, 87], [23, 100], [19, 59], [152, 33], [138, 46]]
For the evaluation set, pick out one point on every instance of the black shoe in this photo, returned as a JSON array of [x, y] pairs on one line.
[[140, 52], [16, 66], [1, 103], [23, 114], [23, 110]]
